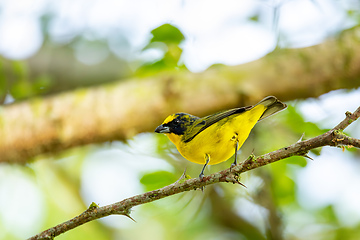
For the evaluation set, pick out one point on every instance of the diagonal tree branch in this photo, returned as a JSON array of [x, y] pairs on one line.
[[334, 137]]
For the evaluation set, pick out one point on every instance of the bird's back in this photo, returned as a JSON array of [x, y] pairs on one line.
[[219, 139]]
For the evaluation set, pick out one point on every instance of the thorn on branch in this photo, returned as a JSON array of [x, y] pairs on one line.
[[307, 156], [183, 177], [127, 212], [241, 184], [250, 158], [246, 164], [304, 154], [127, 215], [235, 179], [301, 138]]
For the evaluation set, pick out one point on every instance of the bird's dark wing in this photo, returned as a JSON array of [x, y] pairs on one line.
[[205, 122]]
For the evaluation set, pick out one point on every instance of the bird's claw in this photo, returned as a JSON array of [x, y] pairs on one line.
[[201, 176]]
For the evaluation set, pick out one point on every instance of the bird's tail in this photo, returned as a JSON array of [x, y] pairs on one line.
[[272, 104]]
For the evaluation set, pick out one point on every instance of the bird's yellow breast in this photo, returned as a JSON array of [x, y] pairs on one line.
[[219, 139]]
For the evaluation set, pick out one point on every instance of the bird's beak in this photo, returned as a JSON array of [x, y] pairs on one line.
[[162, 129]]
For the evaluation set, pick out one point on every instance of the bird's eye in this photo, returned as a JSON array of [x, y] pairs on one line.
[[176, 121]]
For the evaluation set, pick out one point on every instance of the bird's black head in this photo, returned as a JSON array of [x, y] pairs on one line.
[[176, 123]]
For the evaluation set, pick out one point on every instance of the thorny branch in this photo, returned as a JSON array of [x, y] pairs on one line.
[[334, 137]]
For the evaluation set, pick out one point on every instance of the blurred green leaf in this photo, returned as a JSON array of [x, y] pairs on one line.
[[22, 86], [3, 84], [150, 68], [297, 124], [297, 160], [42, 84], [348, 233], [316, 151], [162, 143], [20, 69], [156, 45], [353, 150], [167, 33], [282, 185], [21, 89], [157, 180], [285, 190], [166, 38], [254, 18], [351, 13], [172, 56], [328, 214]]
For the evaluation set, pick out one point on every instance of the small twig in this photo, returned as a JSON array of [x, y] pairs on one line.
[[350, 117], [334, 137]]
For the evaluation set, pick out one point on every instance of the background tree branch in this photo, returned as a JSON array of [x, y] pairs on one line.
[[334, 137], [120, 110]]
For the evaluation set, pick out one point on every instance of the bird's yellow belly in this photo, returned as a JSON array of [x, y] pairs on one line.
[[218, 151], [219, 140]]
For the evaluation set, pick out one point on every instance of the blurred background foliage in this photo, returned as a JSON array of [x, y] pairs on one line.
[[278, 202]]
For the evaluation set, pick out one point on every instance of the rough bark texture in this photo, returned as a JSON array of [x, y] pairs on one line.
[[118, 111], [334, 137]]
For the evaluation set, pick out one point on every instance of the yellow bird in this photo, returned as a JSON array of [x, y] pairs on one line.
[[215, 138]]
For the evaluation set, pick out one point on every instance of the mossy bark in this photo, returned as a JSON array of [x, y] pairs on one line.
[[120, 110]]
